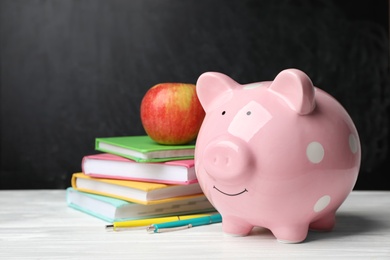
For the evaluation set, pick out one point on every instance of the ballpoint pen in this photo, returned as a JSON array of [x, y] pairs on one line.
[[184, 224], [119, 225]]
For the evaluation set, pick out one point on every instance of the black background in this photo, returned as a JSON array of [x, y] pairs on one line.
[[73, 70]]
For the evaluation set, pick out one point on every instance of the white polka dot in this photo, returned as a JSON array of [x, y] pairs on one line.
[[322, 203], [315, 152], [353, 143]]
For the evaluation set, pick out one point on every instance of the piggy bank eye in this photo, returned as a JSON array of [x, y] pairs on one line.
[[249, 113], [223, 112]]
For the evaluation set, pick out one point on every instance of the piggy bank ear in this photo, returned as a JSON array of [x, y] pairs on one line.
[[214, 88], [296, 89]]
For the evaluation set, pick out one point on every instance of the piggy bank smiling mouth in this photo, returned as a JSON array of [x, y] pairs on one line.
[[230, 194]]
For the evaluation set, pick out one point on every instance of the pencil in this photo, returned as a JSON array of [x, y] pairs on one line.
[[119, 225], [184, 224]]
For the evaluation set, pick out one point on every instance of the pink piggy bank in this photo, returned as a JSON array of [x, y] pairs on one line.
[[280, 154]]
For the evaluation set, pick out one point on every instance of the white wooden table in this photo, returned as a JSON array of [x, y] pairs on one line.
[[37, 224]]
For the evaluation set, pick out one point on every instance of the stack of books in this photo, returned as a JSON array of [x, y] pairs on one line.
[[134, 177]]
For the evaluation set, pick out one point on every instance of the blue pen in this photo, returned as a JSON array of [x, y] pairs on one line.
[[184, 224]]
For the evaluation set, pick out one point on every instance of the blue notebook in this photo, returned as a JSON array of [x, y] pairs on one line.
[[113, 210]]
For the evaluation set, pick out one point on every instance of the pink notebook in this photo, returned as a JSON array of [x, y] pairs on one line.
[[111, 166]]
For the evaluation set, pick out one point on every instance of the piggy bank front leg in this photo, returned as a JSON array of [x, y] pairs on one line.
[[293, 233], [235, 226]]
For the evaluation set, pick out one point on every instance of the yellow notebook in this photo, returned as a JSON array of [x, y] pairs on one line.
[[134, 191]]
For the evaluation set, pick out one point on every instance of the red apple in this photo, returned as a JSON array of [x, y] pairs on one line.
[[171, 113]]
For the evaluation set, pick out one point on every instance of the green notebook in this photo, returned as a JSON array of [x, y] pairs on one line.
[[144, 149]]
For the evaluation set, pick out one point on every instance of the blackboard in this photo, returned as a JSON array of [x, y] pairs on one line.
[[74, 70]]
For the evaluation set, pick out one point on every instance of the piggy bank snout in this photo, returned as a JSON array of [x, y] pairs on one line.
[[226, 160]]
